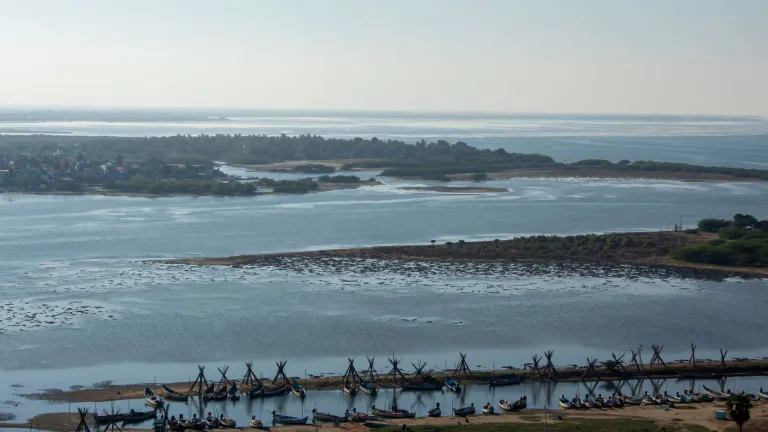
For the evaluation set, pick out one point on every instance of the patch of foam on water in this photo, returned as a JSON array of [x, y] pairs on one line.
[[34, 314]]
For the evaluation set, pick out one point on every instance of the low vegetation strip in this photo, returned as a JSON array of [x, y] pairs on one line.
[[690, 249]]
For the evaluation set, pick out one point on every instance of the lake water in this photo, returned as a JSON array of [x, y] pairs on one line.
[[80, 304]]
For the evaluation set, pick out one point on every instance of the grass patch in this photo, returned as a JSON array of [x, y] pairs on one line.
[[531, 417]]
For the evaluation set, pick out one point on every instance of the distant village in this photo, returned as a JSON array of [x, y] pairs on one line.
[[59, 172]]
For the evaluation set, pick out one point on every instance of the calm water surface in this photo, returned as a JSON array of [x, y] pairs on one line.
[[79, 303]]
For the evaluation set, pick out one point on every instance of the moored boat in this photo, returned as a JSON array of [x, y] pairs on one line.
[[227, 422], [368, 388], [318, 416], [465, 411], [152, 399], [488, 409], [394, 413], [762, 393], [137, 416], [425, 386], [255, 423], [264, 392], [172, 394], [564, 402], [219, 394], [435, 412], [297, 389], [504, 380], [349, 389], [234, 392], [211, 421], [452, 385], [505, 405], [288, 420], [361, 417]]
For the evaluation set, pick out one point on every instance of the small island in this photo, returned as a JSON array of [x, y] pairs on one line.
[[722, 248], [184, 165]]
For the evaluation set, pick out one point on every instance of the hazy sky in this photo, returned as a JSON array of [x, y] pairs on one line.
[[624, 56]]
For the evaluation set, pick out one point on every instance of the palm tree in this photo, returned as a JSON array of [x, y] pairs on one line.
[[738, 406], [433, 243]]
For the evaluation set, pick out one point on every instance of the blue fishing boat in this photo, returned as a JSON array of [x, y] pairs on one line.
[[368, 388], [452, 385], [297, 389]]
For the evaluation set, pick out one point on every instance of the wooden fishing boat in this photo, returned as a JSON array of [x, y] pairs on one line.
[[589, 402], [139, 416], [152, 399], [488, 409], [361, 417], [348, 389], [227, 423], [660, 399], [520, 404], [435, 412], [762, 393], [172, 394], [600, 401], [255, 423], [505, 405], [505, 380], [265, 392], [325, 417], [394, 414], [234, 393], [297, 389], [211, 421], [578, 403], [632, 401], [675, 399], [194, 423], [714, 393], [465, 411], [452, 385], [565, 403], [368, 388], [105, 418], [288, 420], [426, 386], [648, 400], [218, 395]]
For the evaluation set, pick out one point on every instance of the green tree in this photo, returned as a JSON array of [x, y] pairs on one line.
[[712, 225], [738, 406], [744, 220]]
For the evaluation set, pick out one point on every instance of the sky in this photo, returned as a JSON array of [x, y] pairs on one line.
[[544, 56]]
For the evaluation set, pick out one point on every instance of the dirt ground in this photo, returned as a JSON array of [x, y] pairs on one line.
[[700, 414]]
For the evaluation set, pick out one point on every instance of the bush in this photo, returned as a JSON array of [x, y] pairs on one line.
[[713, 225], [692, 231], [479, 176], [717, 242]]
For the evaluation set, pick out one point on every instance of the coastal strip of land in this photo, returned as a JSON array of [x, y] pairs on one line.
[[684, 418], [650, 249], [703, 369]]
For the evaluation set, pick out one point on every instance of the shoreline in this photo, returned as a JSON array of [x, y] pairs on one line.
[[322, 187], [581, 173], [492, 252], [705, 369], [681, 417]]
